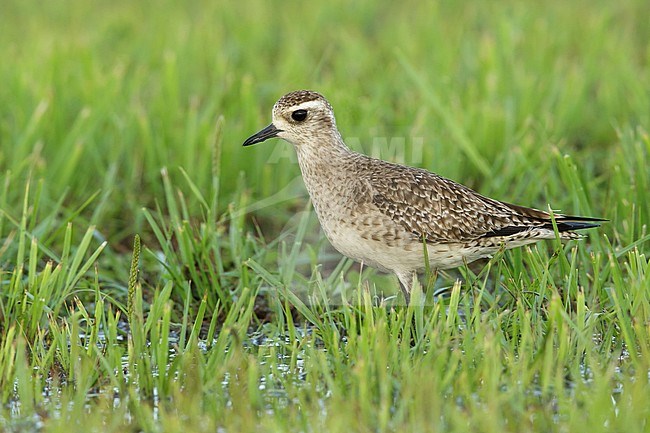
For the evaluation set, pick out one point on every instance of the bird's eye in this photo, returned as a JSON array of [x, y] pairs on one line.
[[299, 115]]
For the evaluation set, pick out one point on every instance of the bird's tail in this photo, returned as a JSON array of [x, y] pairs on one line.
[[567, 223]]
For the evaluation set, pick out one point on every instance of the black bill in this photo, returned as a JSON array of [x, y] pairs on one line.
[[266, 133]]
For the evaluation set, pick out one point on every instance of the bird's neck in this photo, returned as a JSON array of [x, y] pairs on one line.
[[323, 151], [323, 162]]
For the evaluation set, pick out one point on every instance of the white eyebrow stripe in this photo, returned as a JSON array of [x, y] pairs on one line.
[[307, 105]]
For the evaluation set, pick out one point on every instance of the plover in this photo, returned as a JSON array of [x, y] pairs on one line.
[[384, 215]]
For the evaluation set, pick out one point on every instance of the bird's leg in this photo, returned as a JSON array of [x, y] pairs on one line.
[[406, 279]]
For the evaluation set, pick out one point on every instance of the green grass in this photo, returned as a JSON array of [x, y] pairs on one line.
[[126, 120]]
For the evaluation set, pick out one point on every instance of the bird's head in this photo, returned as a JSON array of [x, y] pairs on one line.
[[302, 117]]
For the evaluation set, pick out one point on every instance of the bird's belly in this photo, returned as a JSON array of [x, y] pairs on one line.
[[400, 254], [376, 254]]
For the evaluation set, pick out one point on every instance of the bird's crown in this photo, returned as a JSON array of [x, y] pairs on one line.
[[299, 97]]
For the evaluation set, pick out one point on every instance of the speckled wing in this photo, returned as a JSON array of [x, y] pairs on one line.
[[440, 210]]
